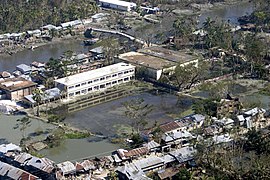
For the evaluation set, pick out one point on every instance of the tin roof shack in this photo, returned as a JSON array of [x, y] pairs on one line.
[[85, 166], [17, 88], [132, 154], [41, 167], [5, 75], [66, 168], [148, 66], [118, 5], [183, 155], [24, 69], [10, 172], [138, 169]]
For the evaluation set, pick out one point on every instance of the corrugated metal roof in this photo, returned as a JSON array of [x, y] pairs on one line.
[[152, 145], [136, 152], [15, 173], [4, 148], [22, 158], [85, 165], [67, 167], [169, 126], [43, 164]]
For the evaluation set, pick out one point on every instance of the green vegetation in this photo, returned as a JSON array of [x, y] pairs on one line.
[[55, 118], [77, 135], [21, 15]]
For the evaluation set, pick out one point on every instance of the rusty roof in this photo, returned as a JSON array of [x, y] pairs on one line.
[[168, 173], [169, 126], [43, 164], [13, 84], [136, 152], [85, 165], [15, 173]]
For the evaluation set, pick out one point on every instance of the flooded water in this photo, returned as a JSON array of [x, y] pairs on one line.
[[107, 117], [77, 149], [42, 53], [8, 133], [261, 100], [230, 13]]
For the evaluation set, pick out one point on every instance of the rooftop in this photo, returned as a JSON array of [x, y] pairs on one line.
[[13, 84], [169, 126], [175, 56], [82, 77], [117, 2], [146, 60]]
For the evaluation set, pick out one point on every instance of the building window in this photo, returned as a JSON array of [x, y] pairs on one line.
[[83, 83], [78, 85], [120, 80], [114, 75], [89, 82], [70, 87], [83, 91], [125, 72], [108, 77], [102, 78], [108, 84], [96, 88], [131, 77], [119, 74], [126, 79], [102, 86], [89, 89], [114, 82], [96, 80], [78, 93], [71, 94], [132, 70]]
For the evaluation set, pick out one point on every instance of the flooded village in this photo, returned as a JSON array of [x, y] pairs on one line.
[[139, 90]]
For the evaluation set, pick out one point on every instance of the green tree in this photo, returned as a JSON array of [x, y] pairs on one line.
[[110, 49], [38, 96], [205, 107]]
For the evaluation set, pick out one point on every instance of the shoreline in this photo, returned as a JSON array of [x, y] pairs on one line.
[[19, 48]]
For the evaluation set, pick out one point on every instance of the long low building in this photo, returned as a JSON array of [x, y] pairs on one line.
[[96, 80], [117, 4], [157, 60]]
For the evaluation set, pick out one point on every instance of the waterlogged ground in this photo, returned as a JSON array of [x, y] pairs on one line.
[[9, 134], [107, 118]]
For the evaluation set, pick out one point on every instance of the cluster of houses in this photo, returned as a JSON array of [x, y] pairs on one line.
[[174, 149], [47, 32]]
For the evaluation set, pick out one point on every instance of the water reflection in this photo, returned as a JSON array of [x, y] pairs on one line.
[[42, 53], [229, 13]]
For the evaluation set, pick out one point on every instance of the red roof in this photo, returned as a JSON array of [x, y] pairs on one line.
[[169, 126]]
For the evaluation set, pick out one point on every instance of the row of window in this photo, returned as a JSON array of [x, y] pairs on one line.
[[101, 79], [100, 87]]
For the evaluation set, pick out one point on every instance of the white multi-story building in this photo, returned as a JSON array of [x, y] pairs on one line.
[[96, 80]]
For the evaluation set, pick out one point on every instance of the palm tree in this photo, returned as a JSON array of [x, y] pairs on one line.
[[38, 97]]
